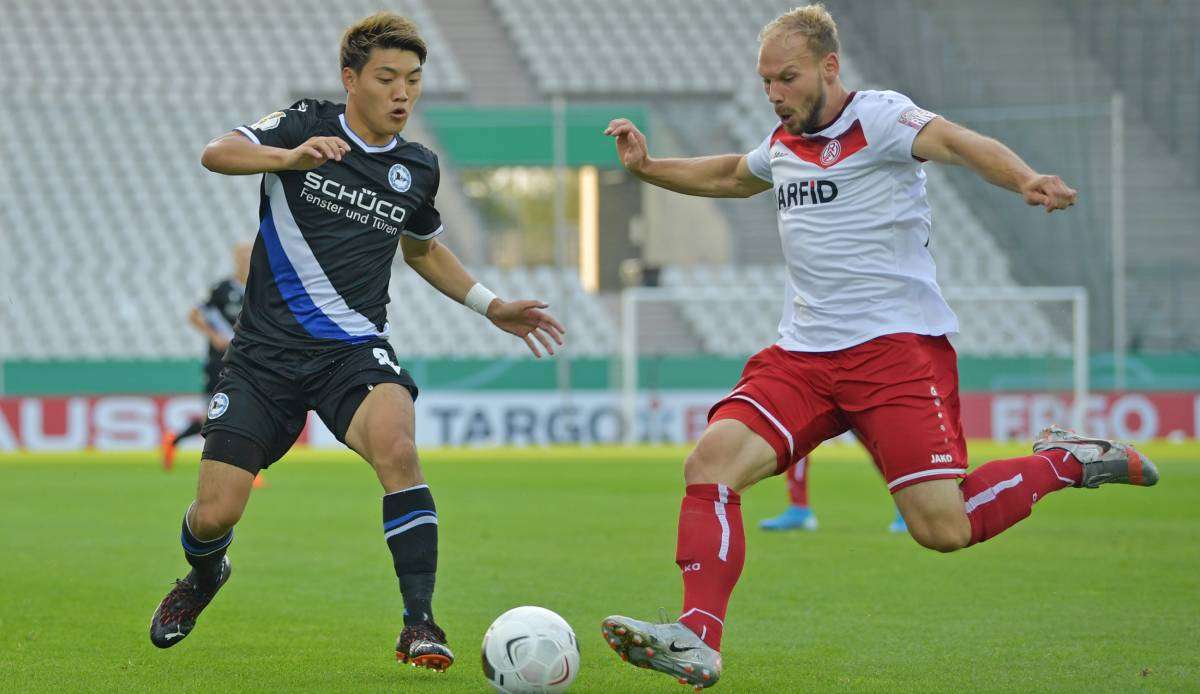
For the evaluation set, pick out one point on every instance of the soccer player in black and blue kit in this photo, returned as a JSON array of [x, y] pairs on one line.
[[214, 318], [340, 191]]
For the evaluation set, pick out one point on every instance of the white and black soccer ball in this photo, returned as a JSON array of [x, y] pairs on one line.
[[530, 649]]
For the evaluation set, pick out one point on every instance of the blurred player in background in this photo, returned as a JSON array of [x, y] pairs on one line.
[[798, 515], [340, 192], [214, 318], [862, 343]]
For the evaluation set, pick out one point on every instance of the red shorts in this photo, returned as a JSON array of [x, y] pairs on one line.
[[897, 393]]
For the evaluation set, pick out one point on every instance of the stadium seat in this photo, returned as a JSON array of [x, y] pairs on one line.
[[737, 325], [125, 231], [427, 324], [120, 231], [711, 53]]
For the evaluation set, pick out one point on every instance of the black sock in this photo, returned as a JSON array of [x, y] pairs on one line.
[[204, 555], [410, 528], [191, 430]]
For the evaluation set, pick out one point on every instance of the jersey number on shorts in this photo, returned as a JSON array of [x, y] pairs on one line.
[[385, 360]]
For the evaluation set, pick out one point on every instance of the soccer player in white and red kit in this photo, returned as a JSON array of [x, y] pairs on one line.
[[863, 340]]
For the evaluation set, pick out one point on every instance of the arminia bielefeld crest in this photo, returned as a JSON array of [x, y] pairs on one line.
[[399, 178]]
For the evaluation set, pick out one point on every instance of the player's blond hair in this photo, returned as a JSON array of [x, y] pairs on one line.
[[813, 22], [380, 30]]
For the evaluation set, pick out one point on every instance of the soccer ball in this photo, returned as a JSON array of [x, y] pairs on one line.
[[530, 649]]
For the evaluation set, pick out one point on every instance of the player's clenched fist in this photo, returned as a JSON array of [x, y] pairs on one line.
[[1049, 192], [316, 151], [631, 143]]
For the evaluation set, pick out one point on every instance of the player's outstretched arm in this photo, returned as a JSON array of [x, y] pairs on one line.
[[233, 154], [950, 143], [524, 318], [218, 342], [720, 176]]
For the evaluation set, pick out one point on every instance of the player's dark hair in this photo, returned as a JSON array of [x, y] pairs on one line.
[[380, 30]]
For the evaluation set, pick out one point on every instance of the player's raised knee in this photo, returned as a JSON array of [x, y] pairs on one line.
[[729, 453], [941, 534], [396, 461], [701, 465], [935, 514], [209, 520]]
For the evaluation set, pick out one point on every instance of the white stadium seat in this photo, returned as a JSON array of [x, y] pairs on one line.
[[712, 52], [116, 230]]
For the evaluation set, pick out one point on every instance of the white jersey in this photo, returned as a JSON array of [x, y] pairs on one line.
[[855, 227]]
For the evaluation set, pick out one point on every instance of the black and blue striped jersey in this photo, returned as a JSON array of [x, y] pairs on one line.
[[220, 310], [322, 259]]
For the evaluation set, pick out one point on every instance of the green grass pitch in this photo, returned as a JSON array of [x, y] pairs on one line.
[[1098, 591]]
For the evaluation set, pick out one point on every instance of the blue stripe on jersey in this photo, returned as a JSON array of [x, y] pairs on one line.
[[292, 289], [396, 522]]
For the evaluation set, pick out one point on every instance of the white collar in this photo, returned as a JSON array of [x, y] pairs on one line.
[[358, 140]]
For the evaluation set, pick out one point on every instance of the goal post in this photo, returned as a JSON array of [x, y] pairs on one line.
[[633, 299]]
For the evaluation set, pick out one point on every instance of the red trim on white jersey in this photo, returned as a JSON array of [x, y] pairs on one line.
[[812, 148]]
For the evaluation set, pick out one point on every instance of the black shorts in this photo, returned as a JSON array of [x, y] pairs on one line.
[[265, 393]]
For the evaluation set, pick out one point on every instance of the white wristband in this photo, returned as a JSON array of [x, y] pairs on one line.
[[479, 298]]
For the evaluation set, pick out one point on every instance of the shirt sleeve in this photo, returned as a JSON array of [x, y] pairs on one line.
[[759, 160], [426, 222], [286, 129], [894, 124]]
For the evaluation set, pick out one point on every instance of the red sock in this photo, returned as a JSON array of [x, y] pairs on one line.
[[1003, 492], [797, 482], [711, 552]]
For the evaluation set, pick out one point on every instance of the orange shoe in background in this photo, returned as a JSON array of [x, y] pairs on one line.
[[168, 450]]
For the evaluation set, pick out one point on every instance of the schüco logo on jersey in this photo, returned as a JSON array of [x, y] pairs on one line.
[[801, 193]]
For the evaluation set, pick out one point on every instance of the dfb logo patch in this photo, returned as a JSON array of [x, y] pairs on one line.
[[269, 121], [218, 405]]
